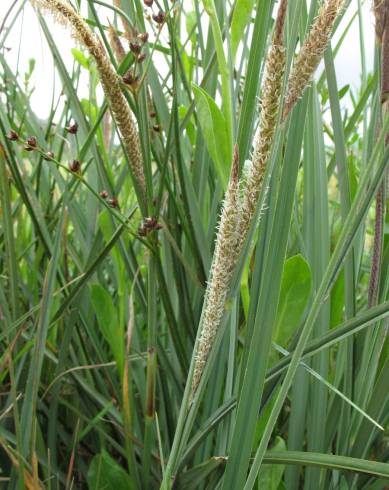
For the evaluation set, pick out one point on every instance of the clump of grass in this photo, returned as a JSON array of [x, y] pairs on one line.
[[182, 402]]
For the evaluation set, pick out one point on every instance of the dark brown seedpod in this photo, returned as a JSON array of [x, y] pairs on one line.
[[157, 128], [143, 37], [160, 17], [148, 3], [75, 166], [135, 48], [12, 135], [48, 156], [152, 114], [141, 57], [128, 78], [113, 202], [72, 128], [31, 144], [149, 224], [103, 194]]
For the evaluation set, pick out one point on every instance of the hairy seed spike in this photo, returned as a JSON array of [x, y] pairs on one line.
[[116, 44], [280, 22], [224, 261], [271, 93], [110, 82], [381, 13], [311, 52], [235, 165]]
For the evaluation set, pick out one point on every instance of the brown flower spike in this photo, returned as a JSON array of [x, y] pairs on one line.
[[65, 13], [270, 104], [311, 52]]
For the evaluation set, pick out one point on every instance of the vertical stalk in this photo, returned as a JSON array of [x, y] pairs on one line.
[[151, 369]]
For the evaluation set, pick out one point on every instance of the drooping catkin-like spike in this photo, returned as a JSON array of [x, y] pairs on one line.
[[311, 52], [224, 261], [270, 104], [116, 44], [129, 31], [381, 10], [65, 14]]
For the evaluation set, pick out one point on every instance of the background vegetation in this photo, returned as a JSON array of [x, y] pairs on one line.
[[101, 293]]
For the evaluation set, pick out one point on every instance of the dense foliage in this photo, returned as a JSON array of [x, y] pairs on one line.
[[193, 259]]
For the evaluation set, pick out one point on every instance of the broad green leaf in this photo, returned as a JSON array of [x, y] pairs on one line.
[[214, 128], [105, 474], [295, 291], [240, 19], [80, 58], [108, 321], [190, 129], [270, 475], [190, 24]]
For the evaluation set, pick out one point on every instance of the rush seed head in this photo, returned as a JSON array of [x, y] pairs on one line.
[[72, 128], [31, 144], [75, 166], [143, 37], [12, 135]]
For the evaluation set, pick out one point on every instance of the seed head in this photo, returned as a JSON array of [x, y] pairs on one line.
[[72, 128], [135, 47], [311, 52], [103, 194], [75, 166], [160, 17], [113, 202], [116, 44], [12, 135], [223, 264], [31, 144], [143, 37]]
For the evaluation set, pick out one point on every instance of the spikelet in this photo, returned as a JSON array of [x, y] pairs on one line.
[[311, 52], [65, 14], [271, 93], [224, 261]]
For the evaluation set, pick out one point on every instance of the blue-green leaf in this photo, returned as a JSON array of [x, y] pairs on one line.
[[295, 291]]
